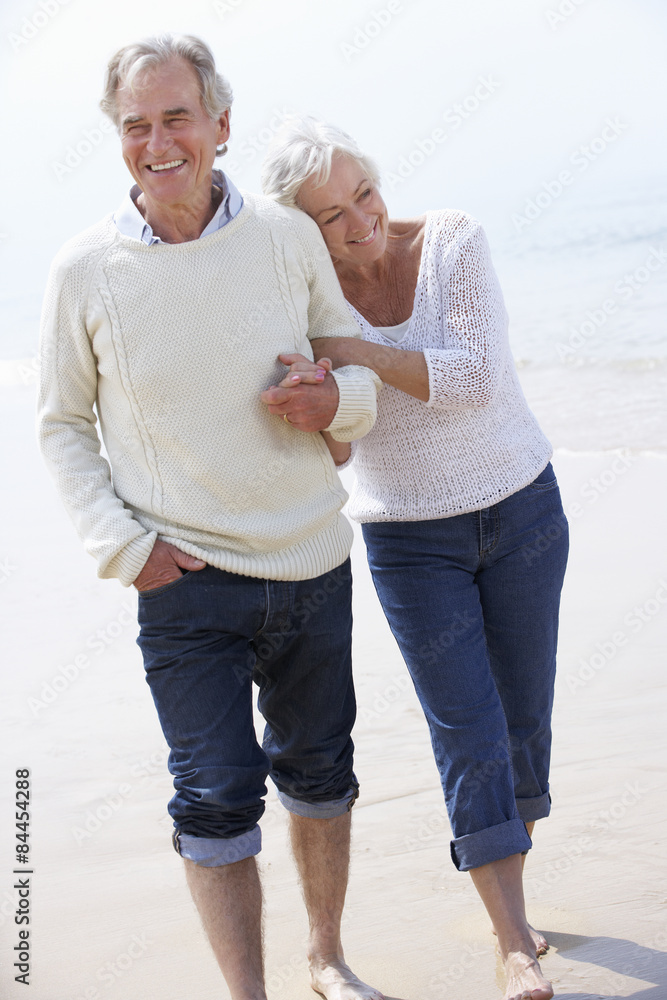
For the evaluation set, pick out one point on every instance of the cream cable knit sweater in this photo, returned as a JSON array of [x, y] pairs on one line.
[[172, 344], [475, 441]]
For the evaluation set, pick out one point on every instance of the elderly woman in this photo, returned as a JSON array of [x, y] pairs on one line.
[[461, 514]]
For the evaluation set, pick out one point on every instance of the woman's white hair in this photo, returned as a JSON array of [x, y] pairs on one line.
[[305, 147], [133, 61]]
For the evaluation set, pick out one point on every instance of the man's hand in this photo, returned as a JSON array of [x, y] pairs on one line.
[[164, 565], [308, 407]]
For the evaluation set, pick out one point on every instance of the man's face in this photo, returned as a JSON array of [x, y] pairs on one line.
[[168, 140]]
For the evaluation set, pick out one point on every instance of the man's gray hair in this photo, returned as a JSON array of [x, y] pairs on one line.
[[132, 61], [305, 147]]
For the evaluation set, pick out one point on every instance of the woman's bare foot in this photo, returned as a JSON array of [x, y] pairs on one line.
[[539, 940], [524, 979], [330, 976]]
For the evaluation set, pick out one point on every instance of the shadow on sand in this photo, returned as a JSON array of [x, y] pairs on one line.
[[614, 960]]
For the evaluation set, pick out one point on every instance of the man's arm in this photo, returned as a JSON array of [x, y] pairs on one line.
[[346, 399], [70, 442]]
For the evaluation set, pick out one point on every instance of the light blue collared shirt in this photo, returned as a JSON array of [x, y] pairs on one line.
[[130, 222]]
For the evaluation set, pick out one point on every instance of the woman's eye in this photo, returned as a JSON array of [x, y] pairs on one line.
[[332, 219], [366, 193]]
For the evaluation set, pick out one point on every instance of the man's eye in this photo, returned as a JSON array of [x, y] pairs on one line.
[[366, 193]]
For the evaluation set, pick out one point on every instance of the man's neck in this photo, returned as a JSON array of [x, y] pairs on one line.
[[180, 223]]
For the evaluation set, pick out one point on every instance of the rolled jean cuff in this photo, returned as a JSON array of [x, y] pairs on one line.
[[320, 810], [493, 844], [213, 852], [537, 807]]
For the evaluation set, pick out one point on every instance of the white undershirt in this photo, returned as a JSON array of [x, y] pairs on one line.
[[395, 333]]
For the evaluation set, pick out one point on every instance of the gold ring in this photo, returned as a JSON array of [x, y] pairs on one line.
[[285, 419]]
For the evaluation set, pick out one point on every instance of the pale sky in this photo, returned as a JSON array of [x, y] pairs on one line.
[[513, 90]]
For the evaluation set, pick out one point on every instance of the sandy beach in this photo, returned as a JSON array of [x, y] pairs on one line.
[[111, 918]]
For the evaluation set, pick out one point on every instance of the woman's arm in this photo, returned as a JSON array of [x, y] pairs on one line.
[[473, 321], [405, 370], [340, 450]]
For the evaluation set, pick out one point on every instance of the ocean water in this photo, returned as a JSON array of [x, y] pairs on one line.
[[586, 289]]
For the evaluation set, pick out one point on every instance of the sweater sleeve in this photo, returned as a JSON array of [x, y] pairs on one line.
[[467, 371], [329, 316], [67, 428]]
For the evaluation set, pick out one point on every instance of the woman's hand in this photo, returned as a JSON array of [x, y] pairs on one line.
[[301, 370]]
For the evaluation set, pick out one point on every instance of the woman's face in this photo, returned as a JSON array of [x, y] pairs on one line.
[[349, 211]]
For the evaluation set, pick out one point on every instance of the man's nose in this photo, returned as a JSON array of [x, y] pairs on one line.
[[160, 140]]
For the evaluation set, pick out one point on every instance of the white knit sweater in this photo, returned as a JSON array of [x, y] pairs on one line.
[[173, 344], [475, 441]]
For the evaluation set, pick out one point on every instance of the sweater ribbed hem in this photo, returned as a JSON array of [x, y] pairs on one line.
[[357, 406], [129, 562], [304, 561], [395, 509]]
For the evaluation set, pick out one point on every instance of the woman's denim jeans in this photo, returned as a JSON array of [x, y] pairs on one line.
[[473, 603]]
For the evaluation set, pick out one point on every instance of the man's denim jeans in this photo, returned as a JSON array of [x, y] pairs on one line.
[[205, 638], [473, 603]]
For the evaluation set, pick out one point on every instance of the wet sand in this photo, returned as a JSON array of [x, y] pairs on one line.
[[111, 918]]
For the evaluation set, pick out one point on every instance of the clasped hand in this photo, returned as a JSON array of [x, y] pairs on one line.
[[308, 395]]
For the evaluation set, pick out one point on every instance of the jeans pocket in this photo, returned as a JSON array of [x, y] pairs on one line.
[[157, 591], [545, 481]]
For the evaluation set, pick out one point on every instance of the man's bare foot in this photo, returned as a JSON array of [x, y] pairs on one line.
[[539, 940], [330, 976], [524, 979]]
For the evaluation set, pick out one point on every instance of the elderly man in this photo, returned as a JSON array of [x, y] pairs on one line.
[[168, 318]]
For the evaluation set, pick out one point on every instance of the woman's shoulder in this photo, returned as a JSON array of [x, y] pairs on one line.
[[453, 223]]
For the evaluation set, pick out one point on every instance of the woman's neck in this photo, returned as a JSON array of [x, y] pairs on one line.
[[384, 290]]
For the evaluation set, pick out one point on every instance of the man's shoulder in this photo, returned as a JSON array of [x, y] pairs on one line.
[[86, 245], [290, 220]]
